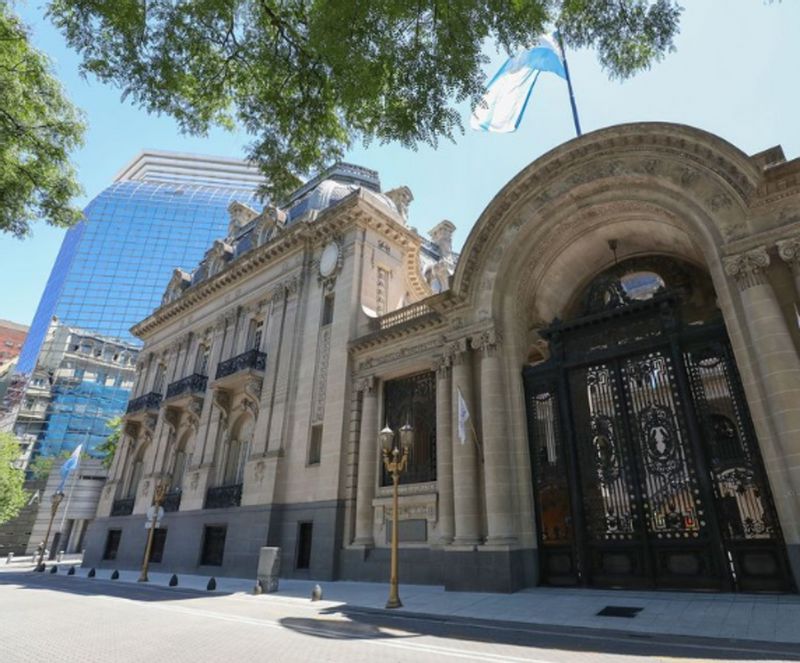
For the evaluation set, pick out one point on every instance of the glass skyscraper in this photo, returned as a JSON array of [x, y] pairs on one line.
[[76, 368]]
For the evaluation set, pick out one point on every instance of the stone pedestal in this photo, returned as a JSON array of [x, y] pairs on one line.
[[269, 568]]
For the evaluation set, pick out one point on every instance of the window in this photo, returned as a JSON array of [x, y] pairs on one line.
[[112, 543], [201, 363], [412, 400], [304, 531], [136, 476], [254, 334], [327, 310], [159, 540], [315, 445], [213, 545]]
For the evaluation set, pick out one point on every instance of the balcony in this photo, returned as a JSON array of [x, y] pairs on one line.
[[122, 507], [252, 360], [223, 497], [151, 401], [172, 501], [194, 384]]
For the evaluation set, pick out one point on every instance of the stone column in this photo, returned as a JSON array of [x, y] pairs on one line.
[[466, 487], [367, 461], [497, 464], [444, 448], [789, 251]]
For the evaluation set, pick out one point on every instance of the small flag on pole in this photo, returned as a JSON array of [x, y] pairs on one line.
[[507, 94], [463, 415], [70, 464]]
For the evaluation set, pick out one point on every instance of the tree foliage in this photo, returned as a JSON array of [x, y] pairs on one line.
[[39, 128], [307, 78], [109, 447], [41, 466], [12, 494]]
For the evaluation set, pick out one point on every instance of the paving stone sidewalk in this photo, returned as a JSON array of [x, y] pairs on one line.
[[760, 617]]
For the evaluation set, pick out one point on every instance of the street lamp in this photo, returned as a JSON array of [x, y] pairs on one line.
[[55, 500], [159, 494], [395, 460]]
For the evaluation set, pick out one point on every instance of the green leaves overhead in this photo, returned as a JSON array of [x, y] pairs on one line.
[[307, 78], [39, 128]]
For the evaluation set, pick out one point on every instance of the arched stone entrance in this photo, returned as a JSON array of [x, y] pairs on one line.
[[645, 463]]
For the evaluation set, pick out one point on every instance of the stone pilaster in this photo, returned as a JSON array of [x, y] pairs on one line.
[[444, 448], [789, 251], [778, 365], [466, 487], [497, 464], [367, 461]]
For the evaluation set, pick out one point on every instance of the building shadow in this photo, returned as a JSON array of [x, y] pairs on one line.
[[372, 624]]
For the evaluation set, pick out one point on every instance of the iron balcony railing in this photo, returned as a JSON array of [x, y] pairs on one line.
[[193, 384], [122, 507], [151, 401], [172, 500], [224, 496], [251, 359]]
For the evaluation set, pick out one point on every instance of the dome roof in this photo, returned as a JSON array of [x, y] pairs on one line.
[[327, 193]]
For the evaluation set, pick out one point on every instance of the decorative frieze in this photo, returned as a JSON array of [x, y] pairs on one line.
[[747, 268]]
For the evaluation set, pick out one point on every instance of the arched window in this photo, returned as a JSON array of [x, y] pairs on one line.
[[178, 469]]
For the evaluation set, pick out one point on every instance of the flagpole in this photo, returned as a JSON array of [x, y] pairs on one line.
[[569, 87]]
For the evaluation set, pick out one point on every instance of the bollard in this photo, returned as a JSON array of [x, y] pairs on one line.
[[91, 573], [212, 584], [316, 593], [40, 568], [54, 569], [173, 581], [71, 571], [258, 589], [10, 558], [60, 556], [115, 575]]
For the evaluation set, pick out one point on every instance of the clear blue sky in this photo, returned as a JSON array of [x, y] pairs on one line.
[[736, 73]]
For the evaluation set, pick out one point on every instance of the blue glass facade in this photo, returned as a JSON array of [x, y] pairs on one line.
[[77, 364]]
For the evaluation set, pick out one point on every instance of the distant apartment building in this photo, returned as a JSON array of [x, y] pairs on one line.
[[12, 336]]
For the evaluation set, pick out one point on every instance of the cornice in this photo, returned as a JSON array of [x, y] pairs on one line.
[[355, 209]]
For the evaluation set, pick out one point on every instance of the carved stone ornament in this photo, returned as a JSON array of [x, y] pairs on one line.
[[456, 350], [193, 411], [222, 400], [172, 417], [747, 268], [194, 481], [487, 341], [146, 488], [367, 384], [260, 471], [789, 251], [150, 422]]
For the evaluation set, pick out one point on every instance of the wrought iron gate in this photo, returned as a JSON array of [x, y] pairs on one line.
[[645, 464]]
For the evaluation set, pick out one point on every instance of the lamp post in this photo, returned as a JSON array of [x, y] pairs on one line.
[[395, 460], [55, 500], [159, 494]]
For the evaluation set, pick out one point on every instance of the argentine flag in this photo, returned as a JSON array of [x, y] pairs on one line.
[[507, 94], [70, 464]]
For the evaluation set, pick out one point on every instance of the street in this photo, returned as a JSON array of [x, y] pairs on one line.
[[74, 619]]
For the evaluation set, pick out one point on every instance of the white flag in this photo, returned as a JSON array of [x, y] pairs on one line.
[[463, 415]]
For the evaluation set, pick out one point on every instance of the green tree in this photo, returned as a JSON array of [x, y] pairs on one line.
[[12, 494], [109, 447], [307, 78], [40, 466], [39, 128]]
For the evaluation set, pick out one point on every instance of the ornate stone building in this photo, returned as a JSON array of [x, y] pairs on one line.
[[621, 328]]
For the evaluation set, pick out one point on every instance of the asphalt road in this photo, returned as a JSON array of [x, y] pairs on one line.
[[61, 618]]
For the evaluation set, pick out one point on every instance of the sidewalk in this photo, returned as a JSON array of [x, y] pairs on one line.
[[771, 618]]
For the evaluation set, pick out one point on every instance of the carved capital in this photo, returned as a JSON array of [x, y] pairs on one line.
[[443, 366], [747, 268], [487, 342], [456, 351], [367, 385], [789, 251]]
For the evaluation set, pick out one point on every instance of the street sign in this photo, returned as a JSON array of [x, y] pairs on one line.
[[149, 524]]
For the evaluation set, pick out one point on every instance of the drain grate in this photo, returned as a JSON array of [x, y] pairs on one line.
[[619, 611]]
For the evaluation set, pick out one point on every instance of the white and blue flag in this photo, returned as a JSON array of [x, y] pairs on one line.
[[507, 94], [69, 465]]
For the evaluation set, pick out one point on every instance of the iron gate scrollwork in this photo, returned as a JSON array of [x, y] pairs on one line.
[[645, 464]]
